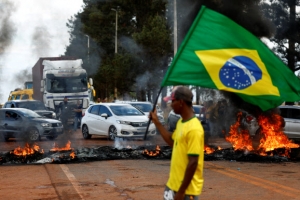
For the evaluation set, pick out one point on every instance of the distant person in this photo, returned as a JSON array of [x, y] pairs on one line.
[[78, 115], [186, 171], [65, 113], [115, 99], [98, 100], [105, 100]]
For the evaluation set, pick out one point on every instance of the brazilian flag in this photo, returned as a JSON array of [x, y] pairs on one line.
[[218, 53]]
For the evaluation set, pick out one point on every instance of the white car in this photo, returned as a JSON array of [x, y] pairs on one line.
[[115, 120]]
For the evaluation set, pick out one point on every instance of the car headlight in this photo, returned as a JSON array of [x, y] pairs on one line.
[[46, 124], [54, 115], [123, 122]]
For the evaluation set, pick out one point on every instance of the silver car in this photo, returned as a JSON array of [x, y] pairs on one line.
[[291, 115], [27, 124]]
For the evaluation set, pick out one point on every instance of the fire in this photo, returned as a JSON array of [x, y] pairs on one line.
[[65, 148], [272, 136], [152, 153], [27, 150], [239, 138], [72, 154], [208, 150]]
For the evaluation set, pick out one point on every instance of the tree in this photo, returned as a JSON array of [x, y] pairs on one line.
[[286, 40]]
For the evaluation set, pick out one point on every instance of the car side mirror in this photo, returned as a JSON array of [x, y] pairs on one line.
[[104, 115]]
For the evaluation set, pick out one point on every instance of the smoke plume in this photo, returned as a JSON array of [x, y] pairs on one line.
[[7, 28]]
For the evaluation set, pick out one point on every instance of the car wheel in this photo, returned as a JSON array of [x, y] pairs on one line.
[[33, 134], [51, 137], [85, 132], [112, 133]]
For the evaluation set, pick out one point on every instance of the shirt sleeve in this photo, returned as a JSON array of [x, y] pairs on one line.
[[195, 138]]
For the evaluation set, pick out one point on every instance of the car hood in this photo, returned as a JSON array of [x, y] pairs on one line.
[[43, 111], [46, 120], [140, 118]]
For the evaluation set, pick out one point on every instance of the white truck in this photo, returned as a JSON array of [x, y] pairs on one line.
[[57, 77]]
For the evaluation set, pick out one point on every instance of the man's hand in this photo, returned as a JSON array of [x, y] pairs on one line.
[[179, 196], [153, 117]]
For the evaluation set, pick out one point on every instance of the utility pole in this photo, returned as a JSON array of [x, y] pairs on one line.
[[116, 46], [88, 45]]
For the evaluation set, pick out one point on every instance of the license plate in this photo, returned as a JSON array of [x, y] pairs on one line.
[[59, 129]]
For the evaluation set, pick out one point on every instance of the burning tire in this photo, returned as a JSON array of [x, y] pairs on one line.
[[112, 133], [85, 132], [33, 134]]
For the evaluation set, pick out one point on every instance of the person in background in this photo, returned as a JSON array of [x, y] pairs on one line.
[[98, 100], [78, 115], [65, 113], [209, 105], [186, 171]]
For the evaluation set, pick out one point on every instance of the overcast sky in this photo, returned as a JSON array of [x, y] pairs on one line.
[[30, 29]]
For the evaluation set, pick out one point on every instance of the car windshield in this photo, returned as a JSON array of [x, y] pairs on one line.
[[125, 110], [66, 84], [29, 113], [31, 105], [142, 106]]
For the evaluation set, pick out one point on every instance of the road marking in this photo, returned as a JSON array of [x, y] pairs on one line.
[[281, 189], [72, 179]]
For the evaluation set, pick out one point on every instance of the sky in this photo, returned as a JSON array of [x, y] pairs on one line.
[[30, 29]]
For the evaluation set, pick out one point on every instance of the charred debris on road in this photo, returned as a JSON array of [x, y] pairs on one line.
[[70, 155]]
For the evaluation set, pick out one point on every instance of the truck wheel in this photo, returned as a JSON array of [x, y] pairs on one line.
[[33, 134], [85, 132], [112, 133]]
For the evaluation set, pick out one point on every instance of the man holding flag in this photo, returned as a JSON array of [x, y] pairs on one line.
[[186, 172]]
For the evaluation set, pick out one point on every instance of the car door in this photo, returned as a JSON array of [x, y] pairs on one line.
[[105, 122], [93, 119], [284, 112], [12, 123], [293, 123], [2, 122]]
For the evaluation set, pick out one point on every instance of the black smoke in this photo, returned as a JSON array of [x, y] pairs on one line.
[[7, 28]]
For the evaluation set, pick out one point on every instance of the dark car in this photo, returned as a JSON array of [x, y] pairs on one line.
[[27, 124], [173, 118], [35, 105]]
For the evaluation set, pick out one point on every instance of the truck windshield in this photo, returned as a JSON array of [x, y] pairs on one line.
[[66, 84]]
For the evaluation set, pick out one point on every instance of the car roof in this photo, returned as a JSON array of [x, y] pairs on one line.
[[24, 100], [136, 102], [290, 106], [112, 104], [15, 109]]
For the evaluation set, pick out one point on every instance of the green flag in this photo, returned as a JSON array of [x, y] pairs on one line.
[[218, 53]]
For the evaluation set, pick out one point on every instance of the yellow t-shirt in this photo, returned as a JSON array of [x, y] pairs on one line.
[[188, 141]]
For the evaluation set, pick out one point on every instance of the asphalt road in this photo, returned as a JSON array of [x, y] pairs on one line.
[[141, 179]]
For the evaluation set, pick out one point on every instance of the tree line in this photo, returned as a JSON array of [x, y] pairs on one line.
[[145, 38]]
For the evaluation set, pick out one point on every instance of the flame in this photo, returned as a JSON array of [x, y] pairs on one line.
[[72, 154], [239, 138], [152, 153], [65, 148], [27, 150], [208, 150], [272, 135]]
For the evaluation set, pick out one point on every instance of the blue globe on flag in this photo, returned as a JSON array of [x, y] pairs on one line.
[[240, 72]]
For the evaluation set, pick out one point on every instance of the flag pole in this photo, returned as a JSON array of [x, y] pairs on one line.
[[154, 106]]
